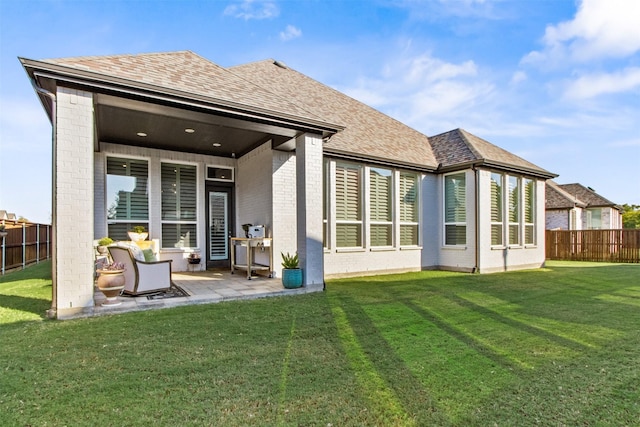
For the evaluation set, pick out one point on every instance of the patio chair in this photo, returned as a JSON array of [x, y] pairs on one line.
[[141, 277]]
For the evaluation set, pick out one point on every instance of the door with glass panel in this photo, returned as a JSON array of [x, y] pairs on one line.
[[219, 224]]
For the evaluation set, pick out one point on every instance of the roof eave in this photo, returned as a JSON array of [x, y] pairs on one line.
[[97, 81], [378, 160], [491, 164]]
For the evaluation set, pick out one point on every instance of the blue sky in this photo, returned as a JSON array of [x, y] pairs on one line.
[[556, 82]]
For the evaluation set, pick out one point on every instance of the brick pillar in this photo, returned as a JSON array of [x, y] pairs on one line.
[[73, 202], [309, 208]]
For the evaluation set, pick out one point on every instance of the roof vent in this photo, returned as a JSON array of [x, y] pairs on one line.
[[280, 64], [591, 189]]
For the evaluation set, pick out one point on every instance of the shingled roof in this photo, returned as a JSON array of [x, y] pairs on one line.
[[587, 195], [459, 147], [187, 73], [557, 198], [368, 133]]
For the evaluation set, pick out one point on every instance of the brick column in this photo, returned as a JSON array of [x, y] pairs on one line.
[[309, 208], [73, 202]]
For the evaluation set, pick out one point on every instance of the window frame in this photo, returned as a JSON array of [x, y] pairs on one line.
[[359, 209], [416, 211], [532, 207], [130, 222], [514, 209], [178, 221], [390, 206], [499, 208], [456, 222]]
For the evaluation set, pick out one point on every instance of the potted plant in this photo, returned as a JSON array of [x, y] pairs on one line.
[[103, 243], [194, 258], [137, 233], [291, 272], [111, 282]]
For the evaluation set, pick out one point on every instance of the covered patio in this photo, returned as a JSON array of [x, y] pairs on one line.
[[203, 287]]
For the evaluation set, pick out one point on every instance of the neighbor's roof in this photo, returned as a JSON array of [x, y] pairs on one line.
[[182, 72], [459, 147], [368, 133], [587, 195], [557, 198]]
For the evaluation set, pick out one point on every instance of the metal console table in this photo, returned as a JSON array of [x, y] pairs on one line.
[[250, 245]]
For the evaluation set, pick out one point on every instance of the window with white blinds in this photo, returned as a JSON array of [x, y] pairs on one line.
[[409, 209], [455, 209], [497, 206], [380, 207], [127, 195], [529, 212], [348, 205], [179, 203], [514, 210], [326, 204]]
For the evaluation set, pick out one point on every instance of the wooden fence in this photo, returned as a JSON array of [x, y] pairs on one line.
[[594, 245], [24, 244]]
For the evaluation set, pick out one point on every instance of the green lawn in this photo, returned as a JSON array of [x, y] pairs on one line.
[[556, 346]]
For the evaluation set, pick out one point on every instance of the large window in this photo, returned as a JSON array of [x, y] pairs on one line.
[[514, 210], [455, 209], [497, 221], [326, 205], [127, 196], [529, 212], [380, 207], [409, 209], [348, 205], [179, 195], [594, 219]]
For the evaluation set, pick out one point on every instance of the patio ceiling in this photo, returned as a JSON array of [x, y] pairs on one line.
[[126, 121]]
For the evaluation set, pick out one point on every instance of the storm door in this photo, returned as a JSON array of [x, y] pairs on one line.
[[219, 224]]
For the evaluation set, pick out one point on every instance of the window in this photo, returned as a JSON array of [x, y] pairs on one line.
[[219, 173], [514, 210], [348, 205], [380, 207], [326, 205], [179, 196], [455, 209], [529, 212], [127, 196], [497, 222], [594, 219], [409, 209]]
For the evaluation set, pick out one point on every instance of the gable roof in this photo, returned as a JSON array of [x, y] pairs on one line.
[[587, 195], [557, 198], [181, 73], [459, 147], [368, 134]]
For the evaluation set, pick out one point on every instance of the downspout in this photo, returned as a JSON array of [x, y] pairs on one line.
[[476, 268], [52, 313]]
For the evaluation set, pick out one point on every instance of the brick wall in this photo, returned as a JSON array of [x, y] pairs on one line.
[[73, 199]]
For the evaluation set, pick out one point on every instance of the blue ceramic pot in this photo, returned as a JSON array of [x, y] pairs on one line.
[[292, 278]]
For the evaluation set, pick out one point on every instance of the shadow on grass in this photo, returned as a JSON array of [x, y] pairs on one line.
[[26, 304]]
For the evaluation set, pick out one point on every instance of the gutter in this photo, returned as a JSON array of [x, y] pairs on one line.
[[52, 312]]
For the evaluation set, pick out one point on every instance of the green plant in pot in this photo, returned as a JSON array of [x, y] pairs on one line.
[[291, 271], [103, 243], [137, 233]]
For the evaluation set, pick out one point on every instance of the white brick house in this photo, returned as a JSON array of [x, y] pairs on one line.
[[192, 151], [576, 207]]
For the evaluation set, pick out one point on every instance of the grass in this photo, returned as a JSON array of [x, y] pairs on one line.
[[556, 346]]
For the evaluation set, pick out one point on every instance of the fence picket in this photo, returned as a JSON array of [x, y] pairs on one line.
[[24, 244], [622, 245]]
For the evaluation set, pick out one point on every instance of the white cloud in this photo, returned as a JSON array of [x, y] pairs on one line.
[[424, 91], [252, 9], [518, 77], [290, 33], [600, 29], [589, 86]]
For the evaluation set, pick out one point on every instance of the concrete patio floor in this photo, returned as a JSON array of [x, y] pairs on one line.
[[204, 287]]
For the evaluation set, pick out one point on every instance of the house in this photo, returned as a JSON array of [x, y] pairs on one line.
[[191, 151], [576, 207]]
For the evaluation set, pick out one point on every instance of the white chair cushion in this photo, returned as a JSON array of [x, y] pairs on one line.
[[135, 250]]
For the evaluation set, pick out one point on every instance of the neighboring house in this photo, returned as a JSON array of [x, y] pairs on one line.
[[192, 151], [576, 207]]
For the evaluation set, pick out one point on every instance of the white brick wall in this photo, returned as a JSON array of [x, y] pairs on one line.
[[309, 208], [73, 199], [284, 223], [557, 219]]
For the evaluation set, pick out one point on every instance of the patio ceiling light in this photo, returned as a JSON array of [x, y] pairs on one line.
[[189, 130], [141, 134], [216, 144]]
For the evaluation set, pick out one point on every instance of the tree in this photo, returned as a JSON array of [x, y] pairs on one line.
[[630, 216]]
